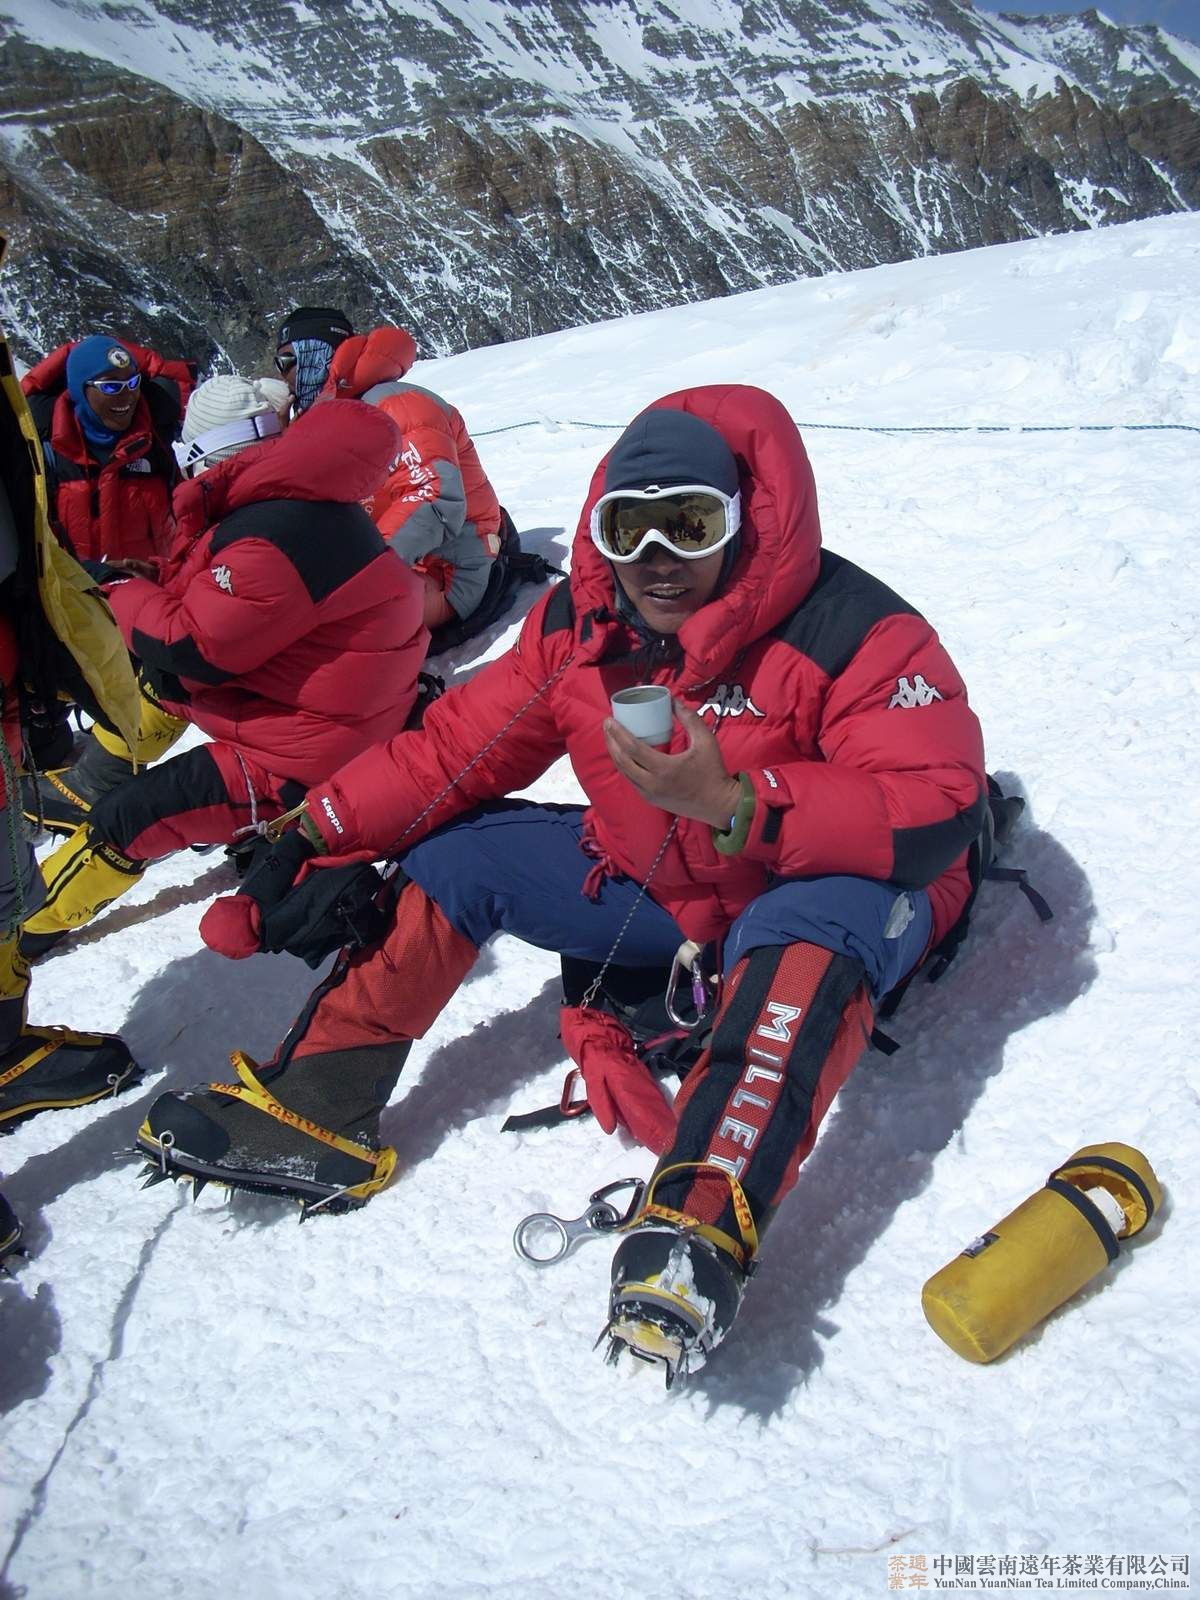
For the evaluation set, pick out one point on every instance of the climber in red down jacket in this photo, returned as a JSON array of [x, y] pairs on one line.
[[283, 626], [807, 820], [437, 509], [106, 411]]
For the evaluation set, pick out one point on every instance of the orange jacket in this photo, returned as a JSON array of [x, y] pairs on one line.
[[437, 509]]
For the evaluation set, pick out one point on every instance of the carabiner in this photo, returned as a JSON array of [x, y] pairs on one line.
[[600, 1217], [688, 955]]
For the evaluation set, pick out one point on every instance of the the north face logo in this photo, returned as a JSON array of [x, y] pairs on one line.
[[916, 693], [223, 578], [730, 700]]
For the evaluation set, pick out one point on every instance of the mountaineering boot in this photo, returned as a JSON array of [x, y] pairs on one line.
[[10, 1231], [47, 1069], [792, 1021], [308, 1130], [60, 800], [82, 876], [49, 736], [674, 1296], [676, 1288]]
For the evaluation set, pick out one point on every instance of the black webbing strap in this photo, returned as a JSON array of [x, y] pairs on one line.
[[1090, 1212], [547, 1117], [1018, 876], [1107, 1164]]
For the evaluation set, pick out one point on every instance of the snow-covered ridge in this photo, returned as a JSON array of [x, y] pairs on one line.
[[480, 169]]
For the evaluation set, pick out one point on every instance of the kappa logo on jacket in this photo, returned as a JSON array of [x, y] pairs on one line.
[[916, 693], [223, 578], [730, 700]]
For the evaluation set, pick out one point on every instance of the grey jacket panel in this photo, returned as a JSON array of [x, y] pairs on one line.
[[438, 527], [381, 391]]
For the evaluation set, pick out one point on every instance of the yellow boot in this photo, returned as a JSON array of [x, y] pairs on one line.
[[83, 875], [42, 1069], [60, 801]]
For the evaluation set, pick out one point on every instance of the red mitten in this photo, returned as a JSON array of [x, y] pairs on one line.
[[620, 1087], [232, 926]]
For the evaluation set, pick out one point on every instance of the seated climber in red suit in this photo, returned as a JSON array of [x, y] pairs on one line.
[[808, 821]]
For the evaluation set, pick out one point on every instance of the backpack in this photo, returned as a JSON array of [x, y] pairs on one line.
[[998, 822]]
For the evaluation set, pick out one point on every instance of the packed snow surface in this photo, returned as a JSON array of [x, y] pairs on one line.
[[204, 1399]]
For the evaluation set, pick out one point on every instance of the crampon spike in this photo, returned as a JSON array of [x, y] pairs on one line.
[[158, 1176], [197, 1185], [648, 1343]]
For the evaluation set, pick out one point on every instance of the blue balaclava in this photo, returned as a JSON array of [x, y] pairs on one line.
[[94, 357], [659, 449], [314, 333]]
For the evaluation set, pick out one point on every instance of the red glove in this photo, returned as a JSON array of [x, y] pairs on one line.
[[620, 1087], [232, 926]]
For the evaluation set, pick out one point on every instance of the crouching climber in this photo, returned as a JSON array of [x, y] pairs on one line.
[[282, 626]]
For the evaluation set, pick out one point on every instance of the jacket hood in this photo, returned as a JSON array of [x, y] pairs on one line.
[[361, 362], [780, 551], [49, 376], [342, 453]]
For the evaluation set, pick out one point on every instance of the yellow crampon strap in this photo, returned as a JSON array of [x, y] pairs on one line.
[[31, 1060], [253, 1092], [742, 1253], [53, 1037]]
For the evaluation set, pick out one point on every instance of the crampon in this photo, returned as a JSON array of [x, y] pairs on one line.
[[677, 1284], [205, 1135]]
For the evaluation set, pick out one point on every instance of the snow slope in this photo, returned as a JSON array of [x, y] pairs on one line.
[[205, 1399]]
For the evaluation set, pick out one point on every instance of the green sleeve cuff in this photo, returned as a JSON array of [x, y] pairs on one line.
[[730, 841], [313, 834]]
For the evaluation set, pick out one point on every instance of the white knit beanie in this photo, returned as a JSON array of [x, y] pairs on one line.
[[216, 404], [276, 393]]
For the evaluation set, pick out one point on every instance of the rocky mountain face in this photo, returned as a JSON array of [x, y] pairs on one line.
[[186, 170]]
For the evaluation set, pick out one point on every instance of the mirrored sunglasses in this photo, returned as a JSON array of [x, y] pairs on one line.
[[115, 385], [692, 520], [284, 364]]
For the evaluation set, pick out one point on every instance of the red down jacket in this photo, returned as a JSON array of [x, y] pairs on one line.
[[123, 507], [437, 509], [295, 634], [830, 692]]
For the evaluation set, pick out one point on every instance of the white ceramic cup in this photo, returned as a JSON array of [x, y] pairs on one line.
[[646, 711]]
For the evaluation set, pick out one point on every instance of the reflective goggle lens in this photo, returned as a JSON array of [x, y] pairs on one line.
[[115, 385], [692, 522], [284, 364]]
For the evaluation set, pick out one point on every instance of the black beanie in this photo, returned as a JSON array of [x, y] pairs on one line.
[[662, 448], [315, 322]]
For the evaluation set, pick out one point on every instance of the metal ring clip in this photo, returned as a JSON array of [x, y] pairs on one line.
[[600, 1217]]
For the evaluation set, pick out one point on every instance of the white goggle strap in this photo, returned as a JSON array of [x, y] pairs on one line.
[[242, 430]]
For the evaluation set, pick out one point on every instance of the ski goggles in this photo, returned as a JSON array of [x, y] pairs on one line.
[[691, 520], [242, 430], [284, 364], [115, 385]]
